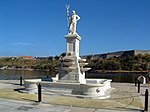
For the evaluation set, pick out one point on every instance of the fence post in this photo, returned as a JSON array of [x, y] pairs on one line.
[[146, 100], [20, 80], [138, 86], [39, 93], [135, 81]]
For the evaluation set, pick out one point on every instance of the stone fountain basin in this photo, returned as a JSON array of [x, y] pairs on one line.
[[83, 64], [68, 68], [85, 69], [68, 63], [31, 85], [95, 88], [81, 60]]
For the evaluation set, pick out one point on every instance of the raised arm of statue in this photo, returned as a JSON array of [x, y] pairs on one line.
[[78, 17]]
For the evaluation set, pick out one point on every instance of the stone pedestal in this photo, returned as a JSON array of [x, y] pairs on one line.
[[72, 44], [71, 64]]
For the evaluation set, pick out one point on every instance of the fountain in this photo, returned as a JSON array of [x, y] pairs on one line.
[[71, 78]]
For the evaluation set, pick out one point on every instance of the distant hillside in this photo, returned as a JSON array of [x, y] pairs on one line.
[[133, 62]]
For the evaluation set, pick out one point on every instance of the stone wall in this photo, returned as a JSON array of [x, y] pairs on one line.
[[117, 54]]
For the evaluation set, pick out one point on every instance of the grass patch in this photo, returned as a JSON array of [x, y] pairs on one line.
[[15, 95], [69, 101]]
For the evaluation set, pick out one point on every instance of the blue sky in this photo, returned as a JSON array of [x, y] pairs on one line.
[[37, 27]]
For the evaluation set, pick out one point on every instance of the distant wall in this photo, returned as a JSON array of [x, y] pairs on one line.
[[117, 54], [136, 52]]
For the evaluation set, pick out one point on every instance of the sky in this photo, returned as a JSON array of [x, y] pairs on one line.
[[37, 27]]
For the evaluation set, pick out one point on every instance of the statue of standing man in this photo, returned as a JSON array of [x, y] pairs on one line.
[[72, 21]]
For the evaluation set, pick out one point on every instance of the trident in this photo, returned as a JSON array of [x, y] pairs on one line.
[[67, 7]]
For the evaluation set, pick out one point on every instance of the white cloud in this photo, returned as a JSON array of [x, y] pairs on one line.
[[22, 44]]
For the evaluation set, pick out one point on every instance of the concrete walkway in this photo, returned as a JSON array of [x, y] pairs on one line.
[[124, 98], [7, 105], [143, 88]]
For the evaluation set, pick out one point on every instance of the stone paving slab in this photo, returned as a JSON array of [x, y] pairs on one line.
[[102, 110], [123, 99], [142, 94], [29, 107], [17, 106], [8, 105]]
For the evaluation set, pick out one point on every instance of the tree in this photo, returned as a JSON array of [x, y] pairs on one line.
[[111, 65], [89, 57], [63, 54], [56, 57]]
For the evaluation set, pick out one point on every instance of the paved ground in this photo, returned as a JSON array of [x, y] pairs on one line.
[[142, 94], [123, 99], [7, 105]]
